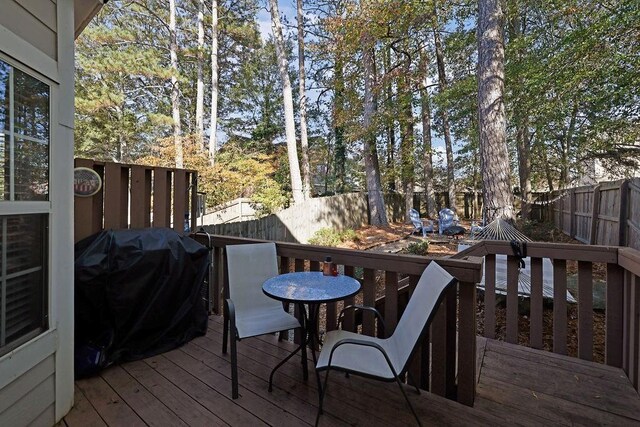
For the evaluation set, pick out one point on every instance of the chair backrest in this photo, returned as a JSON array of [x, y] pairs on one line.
[[414, 215], [418, 314], [248, 267], [446, 218]]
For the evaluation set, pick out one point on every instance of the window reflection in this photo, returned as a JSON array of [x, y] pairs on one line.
[[24, 135]]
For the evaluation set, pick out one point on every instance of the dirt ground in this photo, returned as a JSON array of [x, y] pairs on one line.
[[398, 236]]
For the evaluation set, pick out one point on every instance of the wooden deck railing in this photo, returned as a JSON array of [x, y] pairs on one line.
[[136, 196], [446, 362], [622, 312]]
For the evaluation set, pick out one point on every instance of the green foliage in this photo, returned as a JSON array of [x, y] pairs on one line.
[[418, 248], [331, 237], [269, 198]]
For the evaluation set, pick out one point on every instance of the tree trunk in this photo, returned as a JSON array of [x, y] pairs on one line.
[[389, 124], [407, 170], [378, 214], [175, 90], [498, 197], [200, 79], [290, 130], [448, 144], [524, 166], [521, 119], [565, 178], [338, 129], [213, 122], [426, 135], [304, 143]]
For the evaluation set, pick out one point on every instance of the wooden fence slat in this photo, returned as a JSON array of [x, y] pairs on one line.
[[467, 344], [560, 306], [512, 299], [595, 210], [369, 299], [439, 351], [297, 336], [180, 195], [88, 210], [218, 287], [614, 315], [161, 197], [284, 268], [451, 314], [623, 212], [585, 311], [626, 322], [140, 197], [536, 307], [419, 365], [391, 302], [634, 331], [192, 200], [349, 322], [116, 196], [490, 296]]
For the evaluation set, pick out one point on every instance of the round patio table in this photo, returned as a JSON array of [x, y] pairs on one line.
[[312, 288]]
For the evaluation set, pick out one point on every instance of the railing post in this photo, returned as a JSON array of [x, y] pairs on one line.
[[512, 299], [614, 315], [560, 306], [369, 299], [218, 279], [585, 310], [467, 344], [391, 302], [490, 296]]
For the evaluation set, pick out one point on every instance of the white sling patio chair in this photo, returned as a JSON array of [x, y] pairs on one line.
[[387, 359], [248, 311]]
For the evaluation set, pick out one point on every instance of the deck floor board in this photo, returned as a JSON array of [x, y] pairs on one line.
[[192, 386]]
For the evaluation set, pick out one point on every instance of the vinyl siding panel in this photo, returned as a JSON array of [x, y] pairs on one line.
[[44, 11], [30, 397], [18, 17]]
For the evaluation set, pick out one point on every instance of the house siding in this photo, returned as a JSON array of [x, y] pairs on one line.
[[34, 21], [29, 399]]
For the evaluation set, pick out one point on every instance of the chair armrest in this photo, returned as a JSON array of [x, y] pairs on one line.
[[363, 343], [362, 307], [230, 311]]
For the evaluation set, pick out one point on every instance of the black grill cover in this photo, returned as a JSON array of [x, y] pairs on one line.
[[137, 294]]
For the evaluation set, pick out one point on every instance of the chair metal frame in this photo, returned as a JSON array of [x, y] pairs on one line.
[[229, 322], [359, 342]]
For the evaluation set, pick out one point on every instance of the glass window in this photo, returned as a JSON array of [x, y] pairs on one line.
[[24, 176], [23, 261], [24, 135]]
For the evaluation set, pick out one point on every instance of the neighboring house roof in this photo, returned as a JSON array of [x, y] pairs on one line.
[[84, 11]]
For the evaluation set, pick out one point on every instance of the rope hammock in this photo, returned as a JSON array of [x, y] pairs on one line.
[[500, 229]]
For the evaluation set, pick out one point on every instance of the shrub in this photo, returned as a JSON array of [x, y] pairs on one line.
[[331, 237], [418, 248]]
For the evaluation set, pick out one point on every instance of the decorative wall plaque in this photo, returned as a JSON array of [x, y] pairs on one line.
[[86, 182]]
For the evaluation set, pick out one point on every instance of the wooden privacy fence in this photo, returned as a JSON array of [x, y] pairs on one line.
[[622, 295], [300, 222], [134, 196], [604, 214], [446, 362]]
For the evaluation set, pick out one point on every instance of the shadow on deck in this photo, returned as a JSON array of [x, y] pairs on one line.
[[191, 386]]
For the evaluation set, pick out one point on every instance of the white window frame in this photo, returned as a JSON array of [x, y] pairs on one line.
[[12, 207]]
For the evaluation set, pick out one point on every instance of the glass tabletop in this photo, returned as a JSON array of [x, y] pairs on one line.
[[310, 287]]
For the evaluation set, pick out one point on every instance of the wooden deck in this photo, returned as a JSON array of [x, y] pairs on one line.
[[191, 386]]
